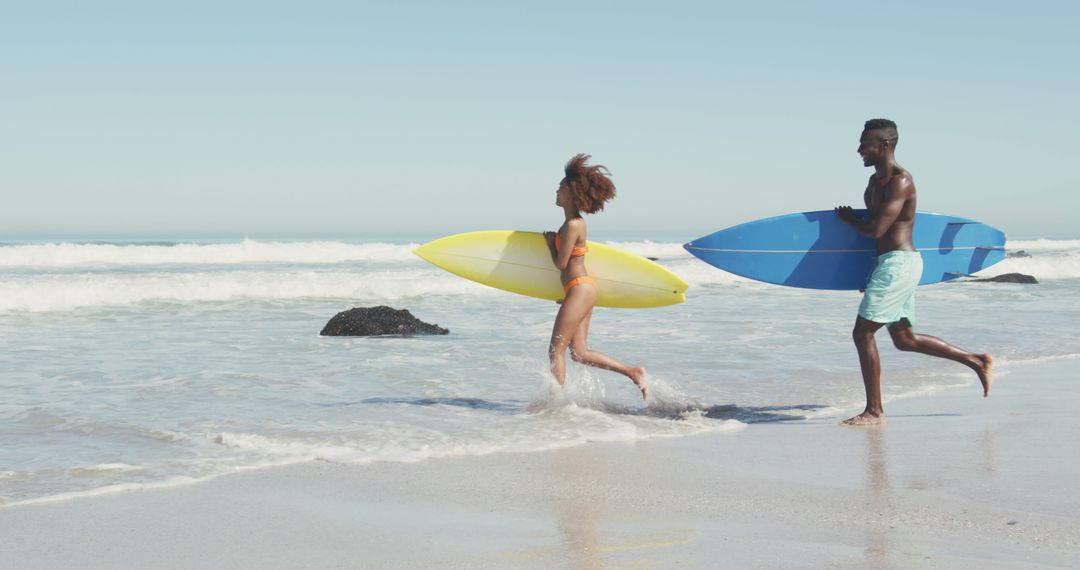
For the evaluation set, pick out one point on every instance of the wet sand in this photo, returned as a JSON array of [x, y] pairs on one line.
[[953, 481]]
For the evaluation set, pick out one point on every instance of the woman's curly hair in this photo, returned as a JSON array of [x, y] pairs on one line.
[[589, 185]]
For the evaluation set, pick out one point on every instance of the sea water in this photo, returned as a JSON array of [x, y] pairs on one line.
[[147, 364]]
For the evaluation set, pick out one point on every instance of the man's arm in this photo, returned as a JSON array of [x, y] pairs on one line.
[[875, 226]]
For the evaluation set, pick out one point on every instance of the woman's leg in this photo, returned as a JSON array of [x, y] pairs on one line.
[[580, 352], [578, 303]]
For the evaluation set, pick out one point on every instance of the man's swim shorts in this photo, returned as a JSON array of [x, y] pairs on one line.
[[890, 293]]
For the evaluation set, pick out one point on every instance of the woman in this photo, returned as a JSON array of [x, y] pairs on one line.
[[584, 189]]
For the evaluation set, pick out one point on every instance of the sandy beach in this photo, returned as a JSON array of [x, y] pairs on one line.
[[953, 481]]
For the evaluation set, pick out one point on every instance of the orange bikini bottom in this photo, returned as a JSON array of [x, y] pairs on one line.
[[578, 281]]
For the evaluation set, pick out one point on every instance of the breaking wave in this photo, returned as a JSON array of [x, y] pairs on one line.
[[243, 252]]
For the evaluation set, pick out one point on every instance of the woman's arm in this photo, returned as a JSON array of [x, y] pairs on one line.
[[549, 237], [571, 231]]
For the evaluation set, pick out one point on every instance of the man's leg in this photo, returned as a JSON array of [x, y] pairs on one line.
[[906, 339], [863, 335]]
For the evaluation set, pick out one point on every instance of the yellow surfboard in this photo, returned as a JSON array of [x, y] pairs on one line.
[[520, 262]]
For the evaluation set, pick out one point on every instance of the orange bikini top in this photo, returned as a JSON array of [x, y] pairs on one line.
[[578, 251]]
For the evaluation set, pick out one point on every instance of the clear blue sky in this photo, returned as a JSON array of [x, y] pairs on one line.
[[281, 118]]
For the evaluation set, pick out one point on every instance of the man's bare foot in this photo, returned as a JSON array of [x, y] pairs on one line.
[[865, 419], [638, 376], [986, 373]]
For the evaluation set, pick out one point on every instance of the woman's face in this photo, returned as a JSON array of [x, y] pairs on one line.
[[562, 195]]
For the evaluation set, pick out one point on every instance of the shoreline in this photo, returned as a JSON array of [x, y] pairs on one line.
[[741, 417], [953, 480]]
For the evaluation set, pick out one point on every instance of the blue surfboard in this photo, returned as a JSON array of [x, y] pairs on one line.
[[815, 250]]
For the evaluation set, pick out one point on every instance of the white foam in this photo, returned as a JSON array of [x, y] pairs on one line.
[[928, 390], [559, 423], [574, 426], [669, 412], [92, 470], [649, 248], [1043, 245], [244, 252], [106, 490], [696, 273], [1000, 362], [665, 396], [1043, 265], [293, 449], [689, 268], [44, 293]]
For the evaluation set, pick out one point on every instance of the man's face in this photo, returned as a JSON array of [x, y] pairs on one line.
[[871, 147]]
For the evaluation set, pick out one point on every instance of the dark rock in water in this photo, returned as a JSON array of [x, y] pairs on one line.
[[1008, 278], [653, 258], [374, 321], [1020, 253]]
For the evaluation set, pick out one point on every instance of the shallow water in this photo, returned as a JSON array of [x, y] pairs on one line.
[[135, 364]]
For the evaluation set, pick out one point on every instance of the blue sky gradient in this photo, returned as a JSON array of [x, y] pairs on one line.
[[275, 119]]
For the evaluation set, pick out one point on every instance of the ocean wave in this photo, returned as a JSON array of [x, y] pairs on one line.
[[45, 293], [66, 254], [243, 252], [103, 491], [647, 248], [58, 291], [696, 273], [554, 424], [673, 256], [252, 451], [1023, 360], [103, 468], [1043, 244], [72, 254], [1040, 265], [66, 291]]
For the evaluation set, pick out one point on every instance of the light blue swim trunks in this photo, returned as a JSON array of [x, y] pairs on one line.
[[890, 293]]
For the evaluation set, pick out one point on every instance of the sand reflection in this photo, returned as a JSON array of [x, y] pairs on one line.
[[592, 501], [879, 492]]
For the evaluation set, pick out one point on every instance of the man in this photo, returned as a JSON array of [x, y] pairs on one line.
[[889, 298]]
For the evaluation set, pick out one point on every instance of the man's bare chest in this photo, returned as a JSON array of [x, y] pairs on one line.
[[873, 197]]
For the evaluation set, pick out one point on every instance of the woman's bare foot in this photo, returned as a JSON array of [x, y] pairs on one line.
[[638, 376], [986, 372], [865, 419]]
